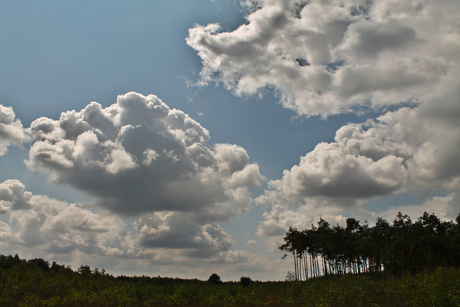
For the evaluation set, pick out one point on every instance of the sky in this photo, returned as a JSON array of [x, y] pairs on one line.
[[183, 138]]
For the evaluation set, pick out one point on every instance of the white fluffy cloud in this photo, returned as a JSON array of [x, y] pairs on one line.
[[57, 230], [13, 196], [55, 226], [407, 150], [139, 156], [141, 159], [327, 57], [11, 131]]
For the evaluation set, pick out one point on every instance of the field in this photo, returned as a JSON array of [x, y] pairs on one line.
[[37, 283]]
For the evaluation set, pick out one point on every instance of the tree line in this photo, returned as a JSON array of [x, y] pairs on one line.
[[36, 282], [85, 271], [404, 246]]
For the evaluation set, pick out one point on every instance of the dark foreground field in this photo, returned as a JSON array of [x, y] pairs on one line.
[[37, 283]]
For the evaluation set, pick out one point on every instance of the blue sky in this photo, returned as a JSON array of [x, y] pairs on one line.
[[368, 128]]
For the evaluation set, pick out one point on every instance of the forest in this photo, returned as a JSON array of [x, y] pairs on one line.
[[406, 263], [405, 246]]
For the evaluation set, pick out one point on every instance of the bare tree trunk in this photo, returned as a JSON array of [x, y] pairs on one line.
[[306, 266], [312, 271], [299, 265], [295, 266], [325, 266], [317, 267]]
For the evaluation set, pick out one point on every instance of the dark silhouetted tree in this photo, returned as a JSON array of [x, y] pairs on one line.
[[405, 246], [245, 281], [214, 279]]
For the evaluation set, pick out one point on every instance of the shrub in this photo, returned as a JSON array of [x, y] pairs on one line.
[[245, 281], [214, 279]]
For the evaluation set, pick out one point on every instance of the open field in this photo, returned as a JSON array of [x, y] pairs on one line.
[[37, 283]]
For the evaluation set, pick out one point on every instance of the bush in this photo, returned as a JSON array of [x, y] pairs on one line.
[[245, 281], [214, 279]]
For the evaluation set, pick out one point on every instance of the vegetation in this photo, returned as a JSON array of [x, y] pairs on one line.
[[37, 283], [383, 255], [390, 250], [214, 279]]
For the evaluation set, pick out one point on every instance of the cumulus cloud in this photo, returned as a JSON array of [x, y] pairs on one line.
[[13, 196], [11, 131], [58, 230], [139, 156], [279, 218], [56, 226], [179, 231], [331, 171], [407, 150], [328, 57]]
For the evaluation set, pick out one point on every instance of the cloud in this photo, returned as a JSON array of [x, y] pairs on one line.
[[413, 150], [11, 131], [180, 231], [139, 156], [13, 196], [251, 242], [61, 228], [444, 207], [328, 57], [53, 229], [140, 159], [279, 218], [366, 161], [406, 150], [37, 221], [331, 171]]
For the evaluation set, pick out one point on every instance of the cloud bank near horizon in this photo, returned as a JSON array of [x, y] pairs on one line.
[[52, 228]]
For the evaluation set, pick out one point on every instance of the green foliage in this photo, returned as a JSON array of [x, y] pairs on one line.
[[214, 279], [29, 283], [393, 249], [245, 281]]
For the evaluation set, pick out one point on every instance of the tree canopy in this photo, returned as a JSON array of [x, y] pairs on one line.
[[391, 249]]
